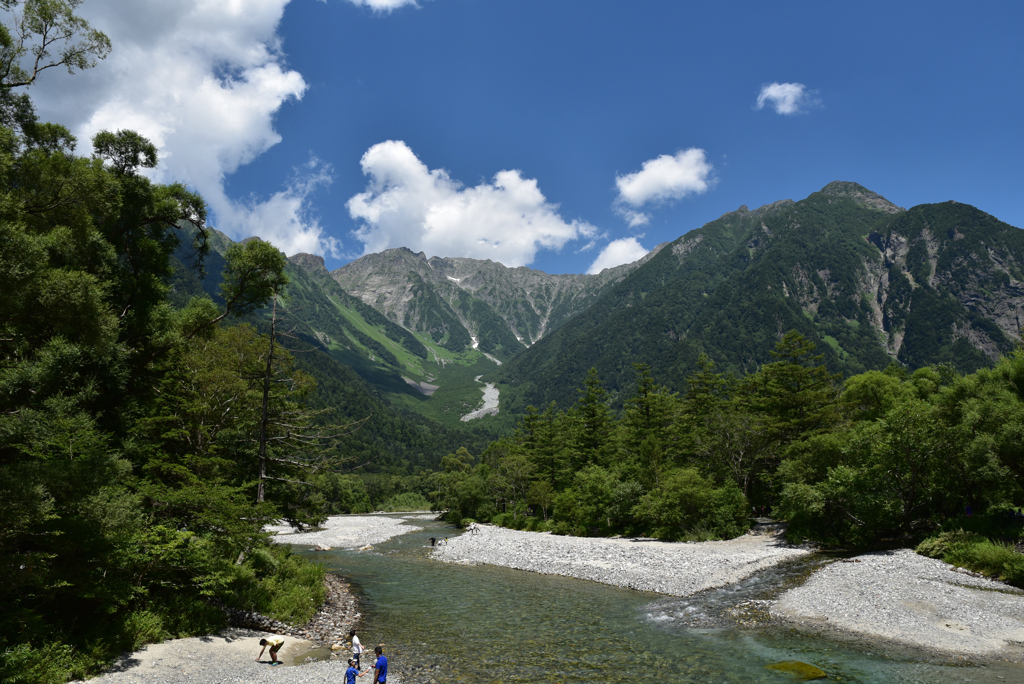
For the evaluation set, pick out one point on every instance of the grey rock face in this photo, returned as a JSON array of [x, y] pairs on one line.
[[421, 293]]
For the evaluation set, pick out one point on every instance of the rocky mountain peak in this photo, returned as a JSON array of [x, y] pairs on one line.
[[310, 263], [860, 195]]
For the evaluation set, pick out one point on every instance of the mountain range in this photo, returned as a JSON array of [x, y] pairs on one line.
[[870, 283], [469, 303]]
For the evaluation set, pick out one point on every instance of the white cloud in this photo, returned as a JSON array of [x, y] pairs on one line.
[[203, 79], [383, 5], [786, 98], [408, 205], [662, 179], [618, 252], [285, 219]]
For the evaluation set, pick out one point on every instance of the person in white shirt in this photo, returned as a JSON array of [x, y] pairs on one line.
[[357, 648]]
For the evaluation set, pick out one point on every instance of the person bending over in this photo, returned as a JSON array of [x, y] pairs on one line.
[[275, 643]]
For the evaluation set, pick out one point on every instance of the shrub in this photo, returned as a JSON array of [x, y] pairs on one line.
[[406, 501], [273, 581], [144, 627], [184, 615], [263, 562], [989, 558], [974, 552], [564, 528], [297, 590], [940, 545], [52, 664]]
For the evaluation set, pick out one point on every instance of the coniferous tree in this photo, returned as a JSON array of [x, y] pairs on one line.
[[590, 424]]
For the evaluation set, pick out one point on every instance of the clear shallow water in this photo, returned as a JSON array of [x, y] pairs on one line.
[[484, 624]]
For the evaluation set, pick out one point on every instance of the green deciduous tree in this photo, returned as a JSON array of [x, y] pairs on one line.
[[44, 34], [689, 505]]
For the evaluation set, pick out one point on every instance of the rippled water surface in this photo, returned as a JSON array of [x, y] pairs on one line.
[[484, 624]]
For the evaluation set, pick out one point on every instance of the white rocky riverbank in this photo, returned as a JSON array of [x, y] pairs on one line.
[[673, 568], [905, 598], [348, 531], [226, 657]]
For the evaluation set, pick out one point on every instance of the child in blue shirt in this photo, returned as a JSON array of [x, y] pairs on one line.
[[352, 672]]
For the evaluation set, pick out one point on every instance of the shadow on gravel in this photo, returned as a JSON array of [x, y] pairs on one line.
[[123, 664]]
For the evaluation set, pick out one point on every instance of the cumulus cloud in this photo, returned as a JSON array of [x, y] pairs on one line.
[[618, 252], [202, 80], [409, 205], [665, 178], [381, 6], [285, 218], [786, 98]]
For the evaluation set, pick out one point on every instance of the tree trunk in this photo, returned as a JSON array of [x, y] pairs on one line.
[[265, 414]]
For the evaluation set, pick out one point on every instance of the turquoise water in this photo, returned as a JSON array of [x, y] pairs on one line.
[[485, 624]]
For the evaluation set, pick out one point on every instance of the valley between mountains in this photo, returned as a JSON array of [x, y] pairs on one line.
[[868, 282]]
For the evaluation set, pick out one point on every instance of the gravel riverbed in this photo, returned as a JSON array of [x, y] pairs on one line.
[[673, 568], [226, 657], [349, 531], [902, 597]]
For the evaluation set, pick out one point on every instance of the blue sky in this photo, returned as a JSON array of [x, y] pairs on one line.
[[540, 133]]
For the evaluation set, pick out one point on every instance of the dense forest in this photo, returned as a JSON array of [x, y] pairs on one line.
[[144, 444], [882, 458]]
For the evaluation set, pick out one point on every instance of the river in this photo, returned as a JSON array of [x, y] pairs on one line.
[[482, 624], [490, 407]]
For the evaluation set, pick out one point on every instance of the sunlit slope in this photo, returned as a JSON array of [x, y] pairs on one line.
[[413, 369], [405, 370], [462, 303], [868, 282], [392, 438]]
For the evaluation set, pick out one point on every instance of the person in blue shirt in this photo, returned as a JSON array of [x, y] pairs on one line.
[[353, 671], [380, 668]]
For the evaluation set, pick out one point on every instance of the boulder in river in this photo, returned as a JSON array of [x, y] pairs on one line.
[[803, 671]]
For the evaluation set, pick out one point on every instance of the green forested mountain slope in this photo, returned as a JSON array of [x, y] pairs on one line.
[[865, 280], [466, 303], [417, 389], [357, 358]]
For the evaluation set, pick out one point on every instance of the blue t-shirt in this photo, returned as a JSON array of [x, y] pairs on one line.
[[382, 665], [350, 675]]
